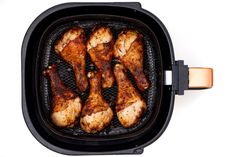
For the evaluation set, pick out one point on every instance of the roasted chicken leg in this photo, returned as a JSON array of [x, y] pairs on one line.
[[66, 105], [129, 49], [72, 48], [100, 49], [129, 104], [96, 113]]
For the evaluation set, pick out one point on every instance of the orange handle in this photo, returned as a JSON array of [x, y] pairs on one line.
[[200, 78]]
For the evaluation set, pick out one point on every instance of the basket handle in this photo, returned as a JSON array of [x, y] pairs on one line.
[[185, 77], [200, 78]]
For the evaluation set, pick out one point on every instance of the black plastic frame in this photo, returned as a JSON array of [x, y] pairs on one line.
[[125, 9]]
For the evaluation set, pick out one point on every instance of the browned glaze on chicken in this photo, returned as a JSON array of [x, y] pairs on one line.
[[129, 49], [129, 104], [72, 48], [96, 113], [66, 105], [100, 49]]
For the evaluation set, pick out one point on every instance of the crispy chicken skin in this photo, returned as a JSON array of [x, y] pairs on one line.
[[129, 49], [100, 49], [66, 105], [96, 113], [72, 48], [129, 104]]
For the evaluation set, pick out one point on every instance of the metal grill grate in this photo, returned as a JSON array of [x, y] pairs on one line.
[[152, 68]]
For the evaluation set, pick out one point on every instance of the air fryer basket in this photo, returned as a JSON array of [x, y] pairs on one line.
[[38, 53]]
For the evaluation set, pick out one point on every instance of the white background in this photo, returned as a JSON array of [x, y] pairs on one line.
[[203, 34]]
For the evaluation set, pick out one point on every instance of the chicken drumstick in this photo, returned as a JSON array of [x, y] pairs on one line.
[[71, 47], [129, 49], [96, 113], [66, 105], [129, 104], [100, 49]]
